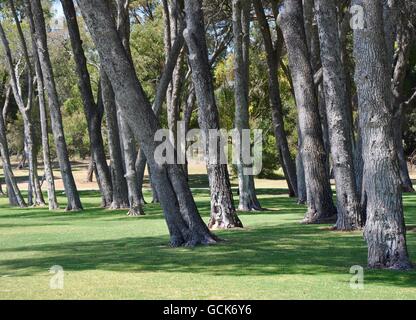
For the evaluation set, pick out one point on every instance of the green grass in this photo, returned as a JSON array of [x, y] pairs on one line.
[[107, 255]]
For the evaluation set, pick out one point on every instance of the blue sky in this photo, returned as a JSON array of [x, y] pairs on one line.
[[57, 6]]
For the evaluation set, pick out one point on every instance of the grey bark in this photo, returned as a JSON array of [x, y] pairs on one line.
[[404, 40], [92, 112], [319, 194], [129, 150], [273, 53], [71, 192], [13, 192], [161, 93], [336, 102], [241, 30], [184, 222], [48, 171], [127, 140], [385, 230], [171, 16], [25, 109], [120, 191], [223, 213]]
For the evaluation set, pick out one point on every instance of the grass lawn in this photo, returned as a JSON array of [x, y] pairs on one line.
[[107, 255]]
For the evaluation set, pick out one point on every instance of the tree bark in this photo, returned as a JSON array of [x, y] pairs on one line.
[[25, 109], [385, 231], [129, 150], [399, 76], [161, 95], [223, 214], [319, 194], [90, 107], [48, 171], [336, 102], [127, 140], [120, 191], [241, 30], [185, 224], [71, 192], [13, 192]]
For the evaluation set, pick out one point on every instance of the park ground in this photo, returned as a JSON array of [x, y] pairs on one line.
[[108, 255]]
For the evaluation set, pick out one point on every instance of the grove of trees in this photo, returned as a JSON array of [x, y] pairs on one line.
[[332, 84]]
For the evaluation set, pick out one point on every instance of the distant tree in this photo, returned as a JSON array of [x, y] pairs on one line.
[[241, 29], [274, 52]]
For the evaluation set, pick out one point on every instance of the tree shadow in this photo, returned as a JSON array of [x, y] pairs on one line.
[[286, 249]]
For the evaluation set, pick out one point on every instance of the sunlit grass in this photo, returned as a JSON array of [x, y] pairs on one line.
[[107, 255]]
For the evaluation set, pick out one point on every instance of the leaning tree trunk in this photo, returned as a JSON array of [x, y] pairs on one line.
[[48, 171], [223, 214], [273, 54], [13, 192], [71, 192], [320, 205], [120, 191], [129, 151], [184, 222], [172, 30], [241, 29], [127, 140], [336, 101], [385, 230], [90, 107]]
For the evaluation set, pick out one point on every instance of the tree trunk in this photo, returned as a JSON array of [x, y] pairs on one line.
[[385, 231], [140, 170], [120, 191], [223, 214], [48, 172], [74, 202], [320, 205], [185, 224], [13, 192], [32, 161], [241, 29], [172, 30], [126, 135], [300, 172], [90, 107], [336, 102], [129, 151], [34, 191], [273, 57], [174, 51], [399, 76]]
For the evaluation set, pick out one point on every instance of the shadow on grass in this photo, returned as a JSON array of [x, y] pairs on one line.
[[284, 248]]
